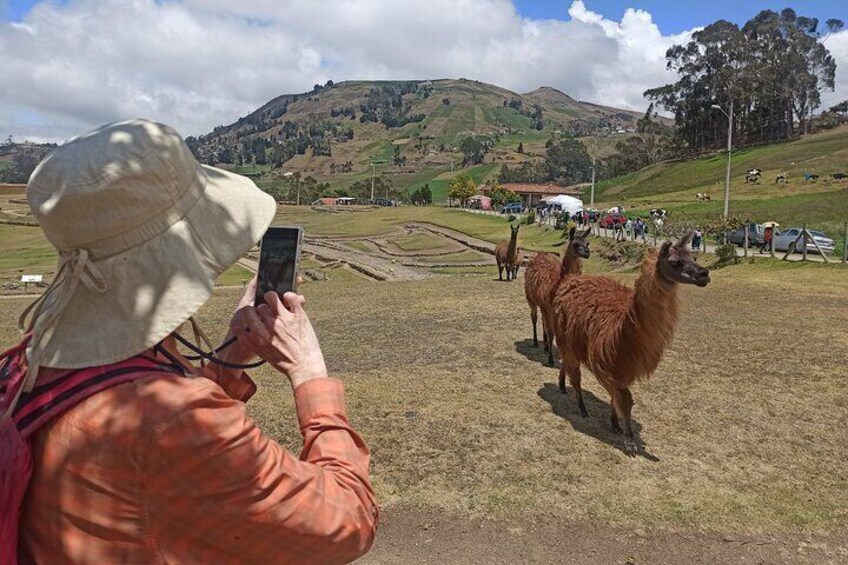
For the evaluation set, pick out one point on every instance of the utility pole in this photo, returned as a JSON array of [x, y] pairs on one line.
[[594, 158], [372, 181], [373, 169], [729, 149], [297, 184]]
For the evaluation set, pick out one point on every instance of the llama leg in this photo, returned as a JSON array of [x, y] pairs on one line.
[[574, 379], [623, 402], [562, 376], [533, 318], [500, 272], [614, 427]]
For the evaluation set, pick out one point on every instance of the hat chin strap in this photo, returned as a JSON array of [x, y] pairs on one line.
[[75, 267]]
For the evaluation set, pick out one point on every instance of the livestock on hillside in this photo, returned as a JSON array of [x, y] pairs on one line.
[[702, 197], [618, 332], [782, 177], [753, 175], [506, 253], [542, 277]]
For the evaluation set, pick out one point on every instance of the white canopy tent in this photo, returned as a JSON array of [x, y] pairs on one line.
[[567, 203]]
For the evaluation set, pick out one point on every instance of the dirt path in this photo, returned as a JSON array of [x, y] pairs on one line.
[[412, 536]]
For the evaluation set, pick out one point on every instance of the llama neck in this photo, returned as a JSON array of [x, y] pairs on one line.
[[513, 245], [571, 264], [655, 302]]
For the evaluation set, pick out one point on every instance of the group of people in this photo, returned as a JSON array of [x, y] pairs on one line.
[[624, 227]]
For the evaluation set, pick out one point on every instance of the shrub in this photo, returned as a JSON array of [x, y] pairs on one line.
[[531, 218], [725, 255], [510, 218]]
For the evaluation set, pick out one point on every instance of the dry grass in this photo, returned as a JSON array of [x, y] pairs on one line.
[[744, 419]]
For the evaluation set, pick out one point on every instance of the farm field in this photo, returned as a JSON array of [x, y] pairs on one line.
[[822, 204], [476, 454]]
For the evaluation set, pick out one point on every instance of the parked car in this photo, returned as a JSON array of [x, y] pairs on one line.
[[512, 208], [756, 235], [785, 241], [611, 220]]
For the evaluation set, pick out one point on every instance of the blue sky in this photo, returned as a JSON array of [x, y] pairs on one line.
[[681, 15], [671, 17]]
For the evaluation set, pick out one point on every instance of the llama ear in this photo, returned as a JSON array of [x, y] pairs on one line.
[[571, 233], [666, 247], [586, 233], [686, 239]]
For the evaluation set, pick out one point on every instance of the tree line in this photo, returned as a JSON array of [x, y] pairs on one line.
[[771, 71]]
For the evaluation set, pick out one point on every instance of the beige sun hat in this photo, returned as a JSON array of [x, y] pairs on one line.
[[143, 230]]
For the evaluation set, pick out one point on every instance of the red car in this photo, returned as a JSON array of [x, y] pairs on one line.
[[610, 220]]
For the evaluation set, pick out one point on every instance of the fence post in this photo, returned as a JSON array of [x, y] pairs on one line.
[[745, 244], [804, 233], [771, 243], [845, 245]]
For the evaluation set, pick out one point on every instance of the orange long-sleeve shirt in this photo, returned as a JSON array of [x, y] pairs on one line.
[[171, 470]]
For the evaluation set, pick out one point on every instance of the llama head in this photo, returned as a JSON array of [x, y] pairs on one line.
[[676, 263], [514, 229], [578, 243]]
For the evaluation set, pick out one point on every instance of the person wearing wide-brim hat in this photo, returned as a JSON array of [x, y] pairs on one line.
[[113, 445]]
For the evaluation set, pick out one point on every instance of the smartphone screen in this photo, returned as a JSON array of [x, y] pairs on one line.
[[279, 253]]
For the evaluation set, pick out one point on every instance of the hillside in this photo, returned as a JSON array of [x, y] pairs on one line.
[[822, 203], [335, 131]]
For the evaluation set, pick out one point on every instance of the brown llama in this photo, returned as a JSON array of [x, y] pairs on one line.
[[519, 261], [506, 253], [542, 277], [618, 332]]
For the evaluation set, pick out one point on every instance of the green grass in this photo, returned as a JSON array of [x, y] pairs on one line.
[[823, 154], [368, 221], [25, 250], [419, 241], [236, 275]]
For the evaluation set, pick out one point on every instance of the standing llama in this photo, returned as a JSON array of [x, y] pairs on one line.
[[506, 253], [542, 277], [618, 332]]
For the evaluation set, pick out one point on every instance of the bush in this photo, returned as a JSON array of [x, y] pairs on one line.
[[725, 255], [510, 218], [621, 253], [531, 218]]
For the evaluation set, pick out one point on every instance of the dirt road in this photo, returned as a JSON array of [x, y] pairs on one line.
[[411, 536]]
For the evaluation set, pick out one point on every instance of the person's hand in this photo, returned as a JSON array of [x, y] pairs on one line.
[[292, 346], [243, 351]]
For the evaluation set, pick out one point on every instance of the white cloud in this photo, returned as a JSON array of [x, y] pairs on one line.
[[837, 44], [198, 63]]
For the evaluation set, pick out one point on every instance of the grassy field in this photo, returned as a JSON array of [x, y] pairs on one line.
[[461, 416], [742, 422], [822, 154]]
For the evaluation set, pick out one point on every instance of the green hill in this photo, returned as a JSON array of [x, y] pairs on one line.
[[822, 203], [441, 114]]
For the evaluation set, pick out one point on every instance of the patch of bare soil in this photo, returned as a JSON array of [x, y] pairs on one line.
[[415, 536]]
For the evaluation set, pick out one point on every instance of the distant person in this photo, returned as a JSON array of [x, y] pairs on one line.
[[139, 456], [767, 235], [628, 228], [696, 239]]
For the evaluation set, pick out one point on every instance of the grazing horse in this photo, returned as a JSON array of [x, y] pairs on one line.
[[781, 178]]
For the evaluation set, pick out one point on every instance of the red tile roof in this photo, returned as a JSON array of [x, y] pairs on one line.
[[530, 188]]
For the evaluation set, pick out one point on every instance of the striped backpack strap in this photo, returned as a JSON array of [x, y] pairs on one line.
[[47, 401], [35, 409]]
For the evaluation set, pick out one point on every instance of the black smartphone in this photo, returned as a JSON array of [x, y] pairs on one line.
[[279, 255]]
